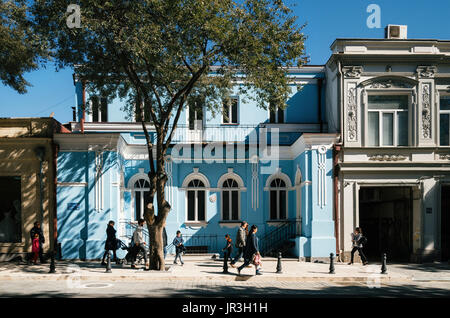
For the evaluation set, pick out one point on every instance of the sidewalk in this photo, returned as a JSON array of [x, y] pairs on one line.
[[203, 268]]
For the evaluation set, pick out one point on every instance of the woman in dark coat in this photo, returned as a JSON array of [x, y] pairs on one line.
[[251, 248], [111, 242]]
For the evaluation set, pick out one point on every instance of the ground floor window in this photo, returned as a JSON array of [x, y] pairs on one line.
[[196, 201], [278, 200], [141, 189], [230, 200], [10, 210]]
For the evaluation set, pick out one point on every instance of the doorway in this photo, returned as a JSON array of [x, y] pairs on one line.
[[385, 216], [445, 222]]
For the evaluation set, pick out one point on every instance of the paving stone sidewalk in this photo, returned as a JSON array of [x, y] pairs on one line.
[[204, 268]]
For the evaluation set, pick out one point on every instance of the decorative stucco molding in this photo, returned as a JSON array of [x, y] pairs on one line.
[[322, 180], [352, 115], [426, 71], [387, 157], [255, 183], [98, 189], [444, 156], [352, 71], [385, 82], [426, 111], [169, 184]]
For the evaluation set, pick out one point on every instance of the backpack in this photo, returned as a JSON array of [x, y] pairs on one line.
[[362, 240]]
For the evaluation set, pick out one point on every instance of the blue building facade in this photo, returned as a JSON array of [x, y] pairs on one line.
[[272, 169]]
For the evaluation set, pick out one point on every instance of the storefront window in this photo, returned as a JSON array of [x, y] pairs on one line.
[[10, 210]]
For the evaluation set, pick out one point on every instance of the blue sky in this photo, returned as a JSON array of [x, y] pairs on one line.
[[326, 20]]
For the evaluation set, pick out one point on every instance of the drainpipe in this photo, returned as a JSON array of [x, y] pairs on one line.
[[337, 221], [55, 211], [83, 116]]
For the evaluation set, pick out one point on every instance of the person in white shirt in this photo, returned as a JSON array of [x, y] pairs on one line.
[[139, 242]]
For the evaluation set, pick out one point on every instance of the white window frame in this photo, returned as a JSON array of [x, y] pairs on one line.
[[240, 188], [230, 111], [276, 116], [287, 188], [198, 124], [139, 176], [442, 94], [184, 187], [395, 92]]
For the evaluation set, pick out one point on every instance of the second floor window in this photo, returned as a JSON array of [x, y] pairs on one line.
[[195, 116], [99, 109], [444, 119], [230, 111], [387, 119], [276, 115]]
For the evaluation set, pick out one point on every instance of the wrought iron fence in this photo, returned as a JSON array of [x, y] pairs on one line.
[[277, 238]]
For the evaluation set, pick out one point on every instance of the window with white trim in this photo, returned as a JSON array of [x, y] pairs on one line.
[[230, 200], [276, 115], [278, 199], [195, 116], [99, 109], [141, 198], [230, 111], [196, 201], [387, 120], [444, 120]]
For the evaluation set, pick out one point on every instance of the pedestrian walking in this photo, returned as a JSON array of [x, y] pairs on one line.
[[241, 237], [139, 243], [227, 252], [179, 247], [111, 243], [251, 250], [37, 230], [35, 248], [165, 242], [358, 240]]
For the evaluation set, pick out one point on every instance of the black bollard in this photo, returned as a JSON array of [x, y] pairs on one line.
[[52, 263], [279, 271], [383, 264], [225, 263], [331, 263], [108, 263]]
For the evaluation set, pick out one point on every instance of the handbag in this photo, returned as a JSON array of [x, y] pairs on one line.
[[256, 260]]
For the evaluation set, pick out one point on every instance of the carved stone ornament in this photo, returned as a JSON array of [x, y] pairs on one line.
[[352, 71], [426, 111], [351, 115], [426, 71], [389, 84], [387, 157], [444, 156]]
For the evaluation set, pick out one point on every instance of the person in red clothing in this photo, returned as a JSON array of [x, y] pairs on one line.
[[35, 248]]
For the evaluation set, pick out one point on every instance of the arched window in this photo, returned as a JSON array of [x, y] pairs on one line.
[[141, 189], [278, 199], [196, 201], [230, 200]]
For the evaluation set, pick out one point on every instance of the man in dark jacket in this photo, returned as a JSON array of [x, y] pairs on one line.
[[111, 242], [241, 237], [251, 248], [37, 230]]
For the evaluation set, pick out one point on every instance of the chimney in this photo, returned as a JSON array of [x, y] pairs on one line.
[[396, 32]]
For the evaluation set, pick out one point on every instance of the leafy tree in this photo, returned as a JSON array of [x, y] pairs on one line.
[[163, 54], [20, 48]]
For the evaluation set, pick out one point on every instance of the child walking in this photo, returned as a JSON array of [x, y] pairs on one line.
[[228, 249], [35, 248]]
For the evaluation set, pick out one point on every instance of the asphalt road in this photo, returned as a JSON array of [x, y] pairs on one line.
[[77, 289]]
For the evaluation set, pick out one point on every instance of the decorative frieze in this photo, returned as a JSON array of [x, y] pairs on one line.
[[387, 157], [389, 84], [426, 71], [352, 115], [426, 111], [444, 156], [352, 71]]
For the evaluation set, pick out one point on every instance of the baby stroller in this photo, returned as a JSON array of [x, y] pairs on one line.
[[130, 252]]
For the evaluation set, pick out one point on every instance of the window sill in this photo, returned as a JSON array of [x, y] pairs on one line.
[[230, 124], [196, 224], [230, 222], [278, 222]]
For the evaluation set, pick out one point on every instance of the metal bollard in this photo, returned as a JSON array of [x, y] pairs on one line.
[[331, 263], [383, 264], [108, 263], [279, 271], [52, 263]]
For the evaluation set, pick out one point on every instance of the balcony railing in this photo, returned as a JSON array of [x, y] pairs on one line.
[[212, 133]]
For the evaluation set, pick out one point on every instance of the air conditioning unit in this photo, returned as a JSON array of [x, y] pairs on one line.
[[396, 31]]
